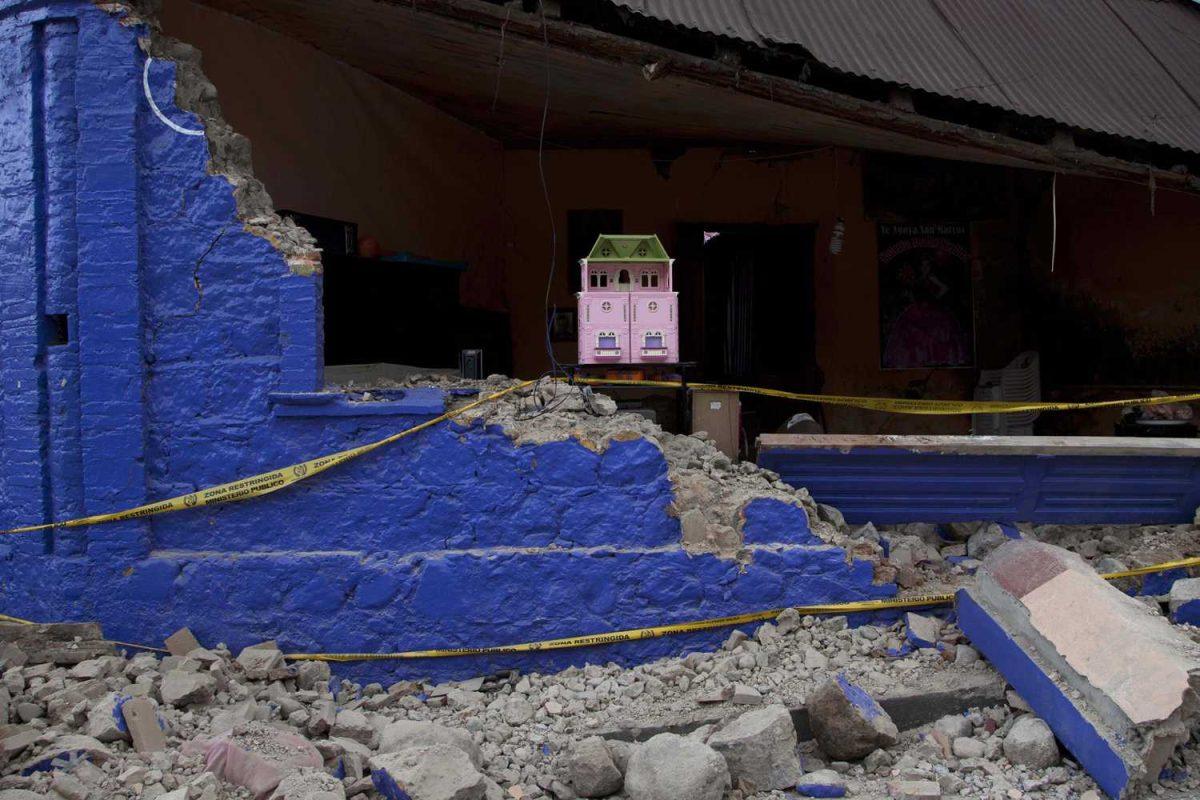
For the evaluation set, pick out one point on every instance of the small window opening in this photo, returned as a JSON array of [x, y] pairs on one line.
[[654, 281], [645, 280], [58, 331], [606, 341], [594, 280], [623, 278], [654, 341]]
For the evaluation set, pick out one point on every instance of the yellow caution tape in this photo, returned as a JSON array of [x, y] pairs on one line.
[[900, 405], [632, 635], [263, 483], [655, 632], [1183, 563], [268, 482]]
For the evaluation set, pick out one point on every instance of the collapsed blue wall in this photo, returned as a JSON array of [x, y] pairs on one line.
[[151, 346]]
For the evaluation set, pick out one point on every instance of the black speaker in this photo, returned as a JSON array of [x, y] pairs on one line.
[[470, 364]]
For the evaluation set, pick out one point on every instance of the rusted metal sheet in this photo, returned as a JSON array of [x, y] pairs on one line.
[[1128, 68], [722, 17]]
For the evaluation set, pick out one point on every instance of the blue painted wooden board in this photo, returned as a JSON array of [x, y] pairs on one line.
[[898, 479]]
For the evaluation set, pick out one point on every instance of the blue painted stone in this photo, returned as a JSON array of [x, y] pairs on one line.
[[771, 520], [859, 698], [1160, 583], [1089, 746], [820, 790], [1187, 613]]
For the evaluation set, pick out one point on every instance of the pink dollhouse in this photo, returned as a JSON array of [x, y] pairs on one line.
[[628, 312]]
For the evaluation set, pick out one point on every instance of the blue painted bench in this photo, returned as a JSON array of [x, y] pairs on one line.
[[1066, 480]]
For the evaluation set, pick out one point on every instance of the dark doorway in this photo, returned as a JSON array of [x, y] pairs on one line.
[[746, 308]]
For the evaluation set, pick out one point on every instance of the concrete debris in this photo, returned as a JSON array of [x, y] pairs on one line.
[[404, 734], [1031, 742], [593, 771], [535, 735], [181, 642], [760, 747], [1184, 601], [921, 630], [432, 772], [670, 767], [847, 722], [711, 493], [309, 785], [822, 783], [182, 689], [1110, 676]]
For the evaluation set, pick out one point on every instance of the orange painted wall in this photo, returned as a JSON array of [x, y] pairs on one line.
[[1145, 265], [704, 187], [332, 140]]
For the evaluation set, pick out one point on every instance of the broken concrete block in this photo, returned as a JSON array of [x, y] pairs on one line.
[[1031, 742], [68, 787], [716, 695], [760, 746], [67, 748], [847, 722], [311, 674], [915, 790], [354, 725], [406, 733], [181, 642], [671, 767], [182, 689], [822, 783], [434, 772], [230, 717], [309, 785], [260, 660], [922, 631], [105, 722], [593, 773], [1184, 601], [746, 695], [12, 656], [141, 720], [1114, 681]]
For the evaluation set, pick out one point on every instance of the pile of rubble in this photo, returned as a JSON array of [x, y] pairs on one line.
[[804, 706]]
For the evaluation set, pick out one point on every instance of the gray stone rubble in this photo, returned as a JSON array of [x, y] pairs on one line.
[[528, 736]]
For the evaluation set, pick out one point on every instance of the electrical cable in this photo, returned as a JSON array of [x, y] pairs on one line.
[[555, 367]]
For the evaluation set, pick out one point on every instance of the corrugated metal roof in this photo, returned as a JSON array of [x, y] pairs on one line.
[[1128, 68]]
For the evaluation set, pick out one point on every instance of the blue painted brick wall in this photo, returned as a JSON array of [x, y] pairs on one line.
[[183, 326]]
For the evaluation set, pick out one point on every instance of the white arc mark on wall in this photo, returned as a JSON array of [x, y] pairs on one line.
[[154, 105]]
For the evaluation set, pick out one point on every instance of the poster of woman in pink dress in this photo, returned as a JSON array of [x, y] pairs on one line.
[[926, 317]]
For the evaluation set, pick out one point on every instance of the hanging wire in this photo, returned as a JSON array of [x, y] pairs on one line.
[[1053, 219]]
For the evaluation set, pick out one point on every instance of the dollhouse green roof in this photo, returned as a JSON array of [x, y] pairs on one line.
[[627, 248]]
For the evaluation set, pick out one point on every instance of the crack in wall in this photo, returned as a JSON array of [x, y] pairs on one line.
[[229, 151]]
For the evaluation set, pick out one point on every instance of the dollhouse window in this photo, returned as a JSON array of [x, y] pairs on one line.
[[606, 306], [653, 306], [606, 341], [623, 278], [649, 280], [654, 340], [598, 280]]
